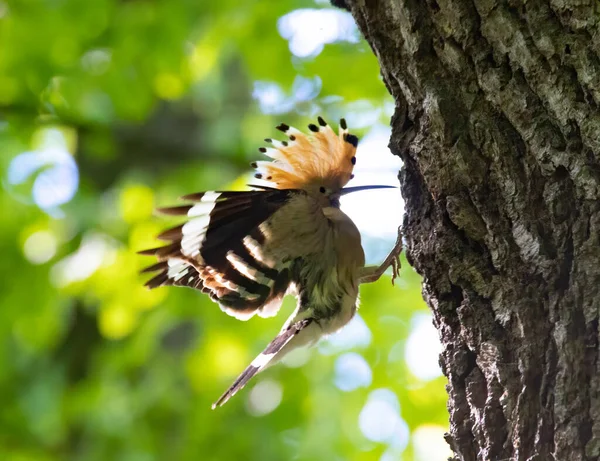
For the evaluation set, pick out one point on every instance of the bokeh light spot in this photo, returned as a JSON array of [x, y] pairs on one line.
[[227, 355], [168, 86], [95, 249], [308, 30], [423, 348], [297, 357], [380, 420], [371, 210], [352, 371], [117, 321], [220, 357], [306, 89], [57, 177], [355, 334], [97, 61], [271, 98], [40, 247], [264, 397], [202, 61], [429, 444]]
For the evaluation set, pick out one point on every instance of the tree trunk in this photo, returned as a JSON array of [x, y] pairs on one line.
[[498, 125]]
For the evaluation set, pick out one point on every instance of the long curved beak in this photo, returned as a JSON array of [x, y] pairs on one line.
[[348, 190]]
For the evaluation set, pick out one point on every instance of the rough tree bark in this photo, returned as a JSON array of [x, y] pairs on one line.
[[497, 122]]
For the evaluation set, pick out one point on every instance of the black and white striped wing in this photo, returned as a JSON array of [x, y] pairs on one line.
[[218, 251]]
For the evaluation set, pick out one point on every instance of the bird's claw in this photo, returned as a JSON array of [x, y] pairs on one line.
[[396, 252]]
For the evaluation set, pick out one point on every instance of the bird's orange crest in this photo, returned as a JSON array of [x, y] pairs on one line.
[[321, 158]]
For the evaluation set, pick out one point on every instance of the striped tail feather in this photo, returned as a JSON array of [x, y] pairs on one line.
[[211, 251], [263, 359]]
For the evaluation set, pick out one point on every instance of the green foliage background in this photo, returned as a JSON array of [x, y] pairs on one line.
[[153, 99]]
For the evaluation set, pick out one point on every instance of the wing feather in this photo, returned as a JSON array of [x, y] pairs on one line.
[[208, 252]]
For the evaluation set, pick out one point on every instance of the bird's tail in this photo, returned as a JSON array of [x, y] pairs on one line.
[[263, 359]]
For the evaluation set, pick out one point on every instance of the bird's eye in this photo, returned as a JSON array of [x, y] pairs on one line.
[[322, 190]]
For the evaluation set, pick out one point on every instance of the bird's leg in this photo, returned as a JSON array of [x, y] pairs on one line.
[[373, 273]]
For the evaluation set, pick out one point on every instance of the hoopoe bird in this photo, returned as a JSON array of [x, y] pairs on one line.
[[248, 249]]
